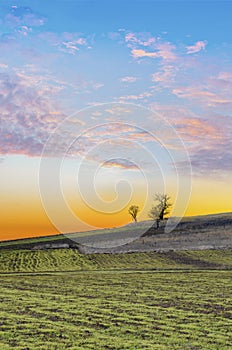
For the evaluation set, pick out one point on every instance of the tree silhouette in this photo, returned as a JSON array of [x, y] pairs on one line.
[[133, 211], [161, 209]]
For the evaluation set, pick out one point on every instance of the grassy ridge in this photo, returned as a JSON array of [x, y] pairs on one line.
[[117, 311], [72, 260], [22, 241]]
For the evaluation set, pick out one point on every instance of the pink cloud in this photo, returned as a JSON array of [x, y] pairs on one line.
[[124, 134], [142, 39], [137, 42], [121, 164], [138, 53], [164, 54], [165, 75], [142, 96], [28, 114], [203, 94], [194, 128], [198, 46], [226, 76], [208, 138], [165, 51], [3, 66]]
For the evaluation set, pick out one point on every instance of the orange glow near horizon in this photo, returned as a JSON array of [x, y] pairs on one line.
[[26, 217], [209, 197], [23, 215]]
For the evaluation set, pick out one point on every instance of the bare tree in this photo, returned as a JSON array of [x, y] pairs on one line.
[[161, 209], [133, 211]]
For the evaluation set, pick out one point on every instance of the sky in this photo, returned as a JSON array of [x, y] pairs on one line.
[[105, 103]]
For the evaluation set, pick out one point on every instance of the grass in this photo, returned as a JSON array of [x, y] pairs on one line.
[[59, 299], [31, 240], [117, 311], [72, 260]]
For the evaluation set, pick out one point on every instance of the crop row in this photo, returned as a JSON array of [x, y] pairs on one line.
[[117, 311], [72, 260]]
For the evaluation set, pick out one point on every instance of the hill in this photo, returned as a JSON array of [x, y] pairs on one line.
[[192, 233]]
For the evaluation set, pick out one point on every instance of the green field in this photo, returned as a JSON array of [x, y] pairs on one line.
[[71, 260], [60, 299], [117, 310]]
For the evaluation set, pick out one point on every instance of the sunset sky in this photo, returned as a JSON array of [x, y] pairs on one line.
[[104, 103]]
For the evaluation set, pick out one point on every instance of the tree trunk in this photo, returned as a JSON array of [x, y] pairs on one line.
[[161, 215], [157, 223]]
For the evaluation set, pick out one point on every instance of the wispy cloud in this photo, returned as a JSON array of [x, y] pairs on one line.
[[23, 16], [3, 66], [166, 51], [165, 75], [128, 79], [143, 39], [211, 87], [142, 96], [121, 164], [205, 95], [208, 138], [71, 43], [216, 162], [193, 127], [21, 22], [27, 114], [145, 45], [138, 53], [198, 46], [23, 30], [163, 51], [67, 42]]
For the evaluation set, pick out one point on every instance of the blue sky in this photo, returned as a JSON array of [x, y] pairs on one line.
[[172, 58], [178, 18]]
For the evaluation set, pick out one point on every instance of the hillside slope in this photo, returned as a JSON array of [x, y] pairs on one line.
[[193, 233], [59, 260]]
